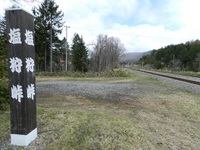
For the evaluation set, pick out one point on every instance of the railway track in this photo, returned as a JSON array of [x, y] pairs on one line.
[[172, 77]]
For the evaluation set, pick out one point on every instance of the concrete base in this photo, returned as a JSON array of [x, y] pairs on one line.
[[23, 140]]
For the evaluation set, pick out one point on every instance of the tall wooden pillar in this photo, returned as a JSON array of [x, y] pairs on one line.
[[21, 57]]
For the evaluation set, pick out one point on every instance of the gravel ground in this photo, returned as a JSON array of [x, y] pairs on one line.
[[108, 91], [111, 91]]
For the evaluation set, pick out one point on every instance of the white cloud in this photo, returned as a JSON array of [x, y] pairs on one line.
[[145, 25], [27, 5], [4, 4], [189, 16], [141, 25]]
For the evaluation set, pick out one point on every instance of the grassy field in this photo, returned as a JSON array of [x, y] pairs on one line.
[[169, 120]]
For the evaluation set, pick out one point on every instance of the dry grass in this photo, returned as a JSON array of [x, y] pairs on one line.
[[171, 121], [96, 79], [80, 123], [162, 121]]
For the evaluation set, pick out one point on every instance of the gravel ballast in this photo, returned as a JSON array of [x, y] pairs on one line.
[[174, 83]]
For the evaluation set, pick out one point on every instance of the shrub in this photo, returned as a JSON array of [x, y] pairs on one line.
[[116, 73], [4, 94], [107, 73]]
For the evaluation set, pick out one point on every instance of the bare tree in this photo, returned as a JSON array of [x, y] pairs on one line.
[[97, 55], [106, 53], [115, 50], [176, 64]]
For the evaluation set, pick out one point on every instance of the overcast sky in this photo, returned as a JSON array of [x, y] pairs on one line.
[[141, 25]]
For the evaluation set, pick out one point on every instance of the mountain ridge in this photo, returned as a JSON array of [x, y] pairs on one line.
[[133, 56]]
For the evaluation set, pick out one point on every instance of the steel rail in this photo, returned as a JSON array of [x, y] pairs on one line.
[[172, 77]]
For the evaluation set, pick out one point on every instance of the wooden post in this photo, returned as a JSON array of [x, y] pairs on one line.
[[21, 57]]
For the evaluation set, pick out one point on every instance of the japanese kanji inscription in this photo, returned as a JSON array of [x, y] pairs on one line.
[[15, 36]]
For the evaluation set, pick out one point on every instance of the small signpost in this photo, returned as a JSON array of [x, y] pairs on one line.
[[21, 57]]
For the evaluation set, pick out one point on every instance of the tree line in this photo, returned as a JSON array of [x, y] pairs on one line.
[[184, 56]]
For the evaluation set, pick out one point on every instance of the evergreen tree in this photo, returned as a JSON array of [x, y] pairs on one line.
[[79, 54], [3, 27], [3, 49], [48, 25], [4, 92]]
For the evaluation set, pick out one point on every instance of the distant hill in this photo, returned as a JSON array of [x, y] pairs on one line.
[[133, 56]]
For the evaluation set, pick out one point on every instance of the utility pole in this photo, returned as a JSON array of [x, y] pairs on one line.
[[51, 47], [45, 58], [66, 50]]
